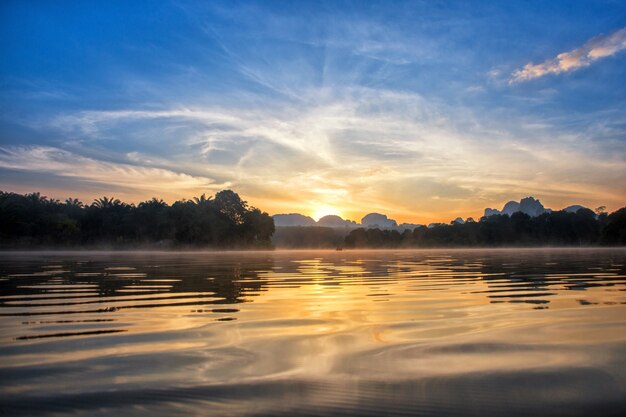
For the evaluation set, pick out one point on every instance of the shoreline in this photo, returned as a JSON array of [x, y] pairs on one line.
[[303, 250]]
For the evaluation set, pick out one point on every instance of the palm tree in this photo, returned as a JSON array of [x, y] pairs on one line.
[[74, 202], [202, 200], [36, 198], [105, 202]]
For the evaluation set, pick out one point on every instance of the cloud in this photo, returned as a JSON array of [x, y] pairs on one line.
[[595, 49], [137, 180], [354, 148]]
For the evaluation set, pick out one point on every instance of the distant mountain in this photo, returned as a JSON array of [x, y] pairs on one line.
[[511, 207], [334, 221], [532, 207], [491, 212], [378, 220], [408, 226], [293, 219], [574, 208], [528, 205], [371, 220], [297, 219]]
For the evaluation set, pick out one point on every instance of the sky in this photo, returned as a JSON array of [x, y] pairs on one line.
[[421, 110]]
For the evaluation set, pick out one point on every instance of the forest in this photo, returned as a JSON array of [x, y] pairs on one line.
[[222, 221], [558, 228], [225, 221]]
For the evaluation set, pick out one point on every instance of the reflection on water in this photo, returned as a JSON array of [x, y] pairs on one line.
[[481, 332]]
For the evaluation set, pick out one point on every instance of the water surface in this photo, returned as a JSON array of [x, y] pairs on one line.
[[440, 332]]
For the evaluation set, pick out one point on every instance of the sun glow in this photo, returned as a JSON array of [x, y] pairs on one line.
[[322, 211]]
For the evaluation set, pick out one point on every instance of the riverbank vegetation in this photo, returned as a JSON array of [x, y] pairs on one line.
[[225, 221], [222, 221], [558, 228]]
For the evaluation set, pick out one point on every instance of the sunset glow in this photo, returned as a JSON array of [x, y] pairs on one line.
[[322, 211], [313, 207], [360, 111]]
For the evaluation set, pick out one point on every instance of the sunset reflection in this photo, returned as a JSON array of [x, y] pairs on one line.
[[368, 316]]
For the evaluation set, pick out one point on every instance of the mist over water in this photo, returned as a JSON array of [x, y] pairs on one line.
[[416, 332]]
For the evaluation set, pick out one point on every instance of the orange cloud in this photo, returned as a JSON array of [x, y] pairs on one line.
[[593, 50]]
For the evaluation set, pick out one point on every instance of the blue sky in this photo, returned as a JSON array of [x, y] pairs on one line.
[[420, 110]]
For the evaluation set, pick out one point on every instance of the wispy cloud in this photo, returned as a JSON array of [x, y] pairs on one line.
[[355, 106], [356, 149], [138, 180], [595, 49]]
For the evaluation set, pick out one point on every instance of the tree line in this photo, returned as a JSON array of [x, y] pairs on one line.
[[558, 228], [222, 221], [226, 221]]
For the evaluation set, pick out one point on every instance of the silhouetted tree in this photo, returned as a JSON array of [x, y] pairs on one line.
[[226, 221], [614, 233], [556, 228]]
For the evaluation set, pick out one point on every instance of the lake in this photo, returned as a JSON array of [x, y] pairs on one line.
[[351, 333]]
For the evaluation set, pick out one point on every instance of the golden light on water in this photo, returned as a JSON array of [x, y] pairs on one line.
[[347, 329]]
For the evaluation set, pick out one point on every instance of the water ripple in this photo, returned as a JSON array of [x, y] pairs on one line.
[[354, 333]]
